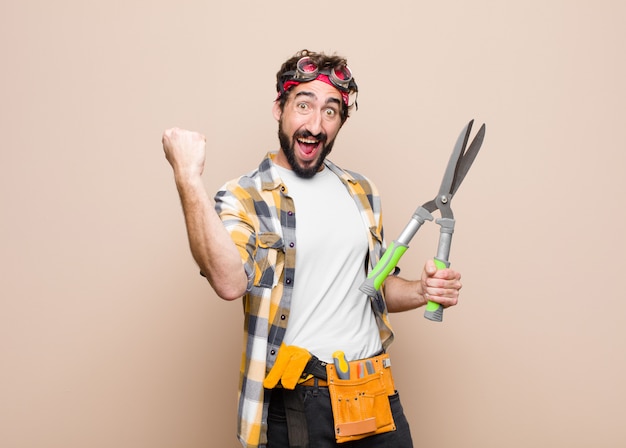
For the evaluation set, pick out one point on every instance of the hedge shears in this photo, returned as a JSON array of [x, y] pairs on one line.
[[460, 162]]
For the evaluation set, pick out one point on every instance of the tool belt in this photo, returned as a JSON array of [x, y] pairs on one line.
[[361, 403]]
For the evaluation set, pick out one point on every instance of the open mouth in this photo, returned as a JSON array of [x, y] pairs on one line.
[[308, 145]]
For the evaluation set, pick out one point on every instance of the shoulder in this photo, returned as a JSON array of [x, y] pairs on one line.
[[360, 186], [363, 180], [353, 177], [253, 181]]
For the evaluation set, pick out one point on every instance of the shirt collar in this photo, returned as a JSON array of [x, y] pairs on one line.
[[270, 178]]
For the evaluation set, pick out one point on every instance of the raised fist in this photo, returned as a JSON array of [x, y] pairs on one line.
[[185, 151]]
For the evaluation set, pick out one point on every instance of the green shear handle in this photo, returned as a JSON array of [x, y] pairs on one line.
[[394, 252], [434, 311]]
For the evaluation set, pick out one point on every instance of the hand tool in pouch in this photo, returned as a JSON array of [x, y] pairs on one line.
[[341, 365]]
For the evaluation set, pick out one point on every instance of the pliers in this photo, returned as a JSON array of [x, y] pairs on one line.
[[458, 166]]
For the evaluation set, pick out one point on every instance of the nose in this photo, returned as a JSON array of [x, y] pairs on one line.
[[314, 122]]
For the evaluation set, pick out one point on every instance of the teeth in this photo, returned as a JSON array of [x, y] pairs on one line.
[[308, 141]]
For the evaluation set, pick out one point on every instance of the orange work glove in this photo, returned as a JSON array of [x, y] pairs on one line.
[[288, 367]]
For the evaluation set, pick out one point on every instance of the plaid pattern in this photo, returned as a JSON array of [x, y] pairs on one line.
[[260, 218]]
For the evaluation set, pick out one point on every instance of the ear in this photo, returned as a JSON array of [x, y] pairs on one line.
[[276, 110]]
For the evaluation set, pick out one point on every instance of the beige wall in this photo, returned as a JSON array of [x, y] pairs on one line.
[[108, 336]]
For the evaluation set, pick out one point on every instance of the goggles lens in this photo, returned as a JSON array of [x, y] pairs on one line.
[[341, 76], [306, 69]]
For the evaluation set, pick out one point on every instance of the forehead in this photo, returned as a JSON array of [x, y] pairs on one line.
[[317, 90]]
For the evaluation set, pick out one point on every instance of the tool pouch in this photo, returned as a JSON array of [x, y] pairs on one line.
[[361, 405]]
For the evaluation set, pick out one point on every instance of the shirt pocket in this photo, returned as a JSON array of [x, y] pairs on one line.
[[269, 249]]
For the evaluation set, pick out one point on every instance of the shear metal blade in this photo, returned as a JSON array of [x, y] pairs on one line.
[[467, 158], [448, 182]]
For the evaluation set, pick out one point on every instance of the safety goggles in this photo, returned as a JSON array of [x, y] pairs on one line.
[[307, 70]]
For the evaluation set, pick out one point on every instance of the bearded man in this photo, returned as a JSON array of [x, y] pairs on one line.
[[294, 239]]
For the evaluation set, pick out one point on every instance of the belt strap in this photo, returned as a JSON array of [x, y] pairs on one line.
[[316, 368], [313, 381], [297, 427]]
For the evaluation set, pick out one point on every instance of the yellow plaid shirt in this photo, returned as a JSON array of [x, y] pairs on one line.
[[260, 216]]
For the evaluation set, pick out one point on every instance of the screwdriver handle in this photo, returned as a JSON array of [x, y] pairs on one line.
[[341, 365]]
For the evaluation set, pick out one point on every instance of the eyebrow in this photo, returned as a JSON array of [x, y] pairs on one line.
[[312, 95]]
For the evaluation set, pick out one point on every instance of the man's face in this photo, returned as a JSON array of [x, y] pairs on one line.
[[307, 126]]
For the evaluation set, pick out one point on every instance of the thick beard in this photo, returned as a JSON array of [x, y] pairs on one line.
[[288, 148]]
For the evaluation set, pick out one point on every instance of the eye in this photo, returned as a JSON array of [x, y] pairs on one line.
[[330, 113], [302, 107]]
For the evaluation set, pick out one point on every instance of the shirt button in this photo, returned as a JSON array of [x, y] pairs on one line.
[[272, 352], [290, 213], [283, 317], [291, 244], [288, 281]]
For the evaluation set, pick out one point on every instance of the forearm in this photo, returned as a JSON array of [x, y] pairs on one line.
[[437, 285], [210, 244], [403, 295]]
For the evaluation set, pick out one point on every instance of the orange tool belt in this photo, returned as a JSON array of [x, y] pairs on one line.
[[360, 403]]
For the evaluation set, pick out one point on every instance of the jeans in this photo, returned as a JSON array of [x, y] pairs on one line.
[[320, 423]]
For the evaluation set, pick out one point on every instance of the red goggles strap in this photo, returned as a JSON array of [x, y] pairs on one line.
[[321, 77]]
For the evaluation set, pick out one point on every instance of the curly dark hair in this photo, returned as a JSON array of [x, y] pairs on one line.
[[323, 61]]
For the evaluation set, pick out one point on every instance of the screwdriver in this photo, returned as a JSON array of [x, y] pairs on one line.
[[341, 365]]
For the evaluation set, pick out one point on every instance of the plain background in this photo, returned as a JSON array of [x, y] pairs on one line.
[[110, 338]]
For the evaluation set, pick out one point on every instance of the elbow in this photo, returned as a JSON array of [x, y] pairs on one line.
[[228, 284], [230, 294], [229, 291]]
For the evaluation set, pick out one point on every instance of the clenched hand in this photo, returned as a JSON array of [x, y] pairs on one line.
[[185, 151]]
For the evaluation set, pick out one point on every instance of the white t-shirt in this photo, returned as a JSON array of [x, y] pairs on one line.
[[328, 312]]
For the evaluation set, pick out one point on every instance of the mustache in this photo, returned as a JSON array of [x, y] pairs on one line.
[[322, 137]]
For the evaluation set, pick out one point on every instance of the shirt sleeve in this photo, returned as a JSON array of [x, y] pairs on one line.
[[231, 210]]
